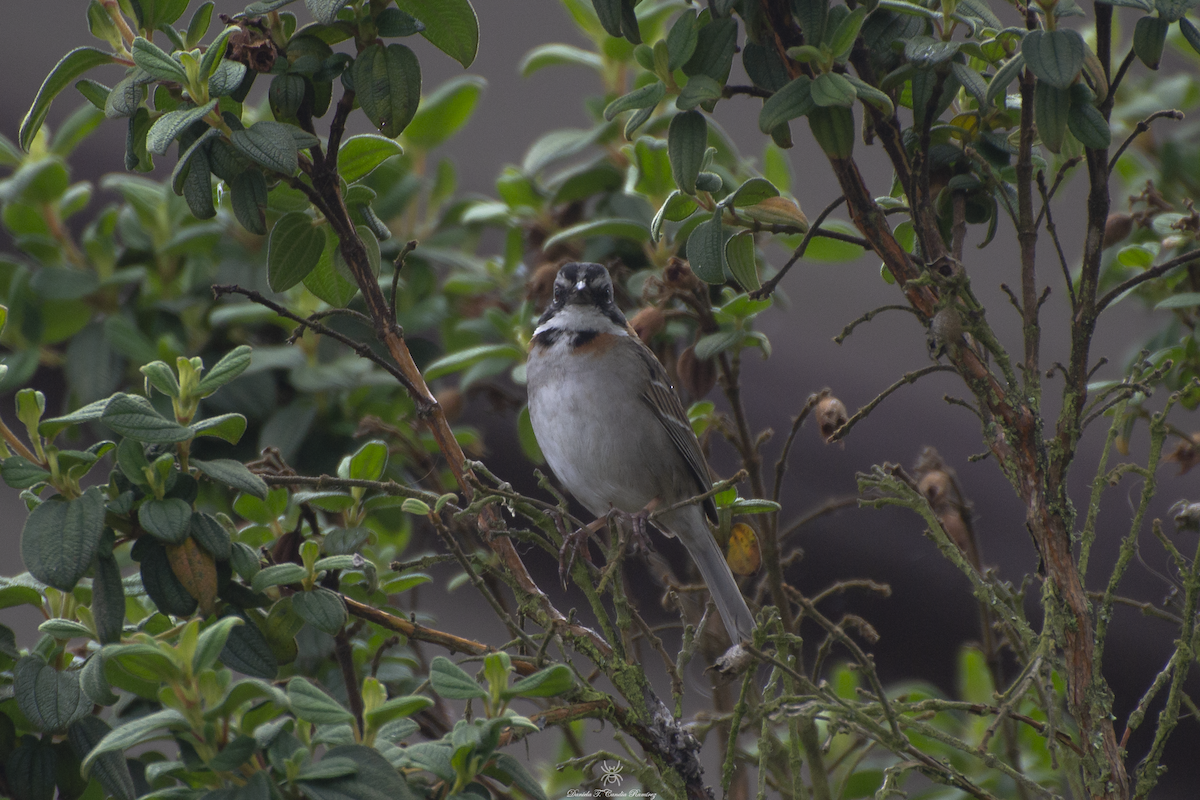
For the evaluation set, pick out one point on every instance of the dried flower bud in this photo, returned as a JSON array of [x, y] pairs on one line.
[[831, 415], [696, 376], [1185, 454], [1116, 229], [777, 211], [945, 331], [540, 288], [678, 275], [452, 402], [1187, 515], [648, 323]]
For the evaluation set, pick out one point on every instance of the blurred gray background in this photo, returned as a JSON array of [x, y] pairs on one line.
[[931, 611]]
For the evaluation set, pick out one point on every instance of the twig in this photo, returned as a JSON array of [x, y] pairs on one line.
[[870, 315], [907, 378], [1141, 128], [326, 482], [828, 507], [396, 267], [412, 630], [1148, 275], [358, 347], [767, 288], [1058, 179], [717, 487], [752, 91], [345, 659], [781, 463], [1053, 231], [1126, 62], [1148, 609]]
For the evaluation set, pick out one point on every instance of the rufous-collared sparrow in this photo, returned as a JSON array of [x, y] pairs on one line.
[[615, 432]]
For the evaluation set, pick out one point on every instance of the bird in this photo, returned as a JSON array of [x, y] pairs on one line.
[[614, 431]]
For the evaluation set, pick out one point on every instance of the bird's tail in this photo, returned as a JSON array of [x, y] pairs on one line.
[[705, 551]]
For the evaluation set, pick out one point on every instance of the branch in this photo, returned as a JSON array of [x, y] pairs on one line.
[[361, 349], [752, 91], [781, 464], [1107, 105], [1148, 275], [767, 288], [907, 378], [1053, 231], [1141, 128], [870, 315]]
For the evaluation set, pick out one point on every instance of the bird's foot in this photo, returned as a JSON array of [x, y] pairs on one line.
[[575, 543], [639, 523]]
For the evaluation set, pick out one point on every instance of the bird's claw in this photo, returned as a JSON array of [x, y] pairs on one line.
[[575, 543]]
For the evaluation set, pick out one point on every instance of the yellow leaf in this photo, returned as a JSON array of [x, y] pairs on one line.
[[197, 572], [744, 556]]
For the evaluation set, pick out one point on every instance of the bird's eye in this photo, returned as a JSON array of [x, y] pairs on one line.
[[558, 290]]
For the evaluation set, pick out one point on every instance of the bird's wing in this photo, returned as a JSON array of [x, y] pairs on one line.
[[668, 408]]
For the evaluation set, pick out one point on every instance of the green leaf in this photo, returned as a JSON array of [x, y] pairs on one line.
[[1054, 56], [620, 228], [108, 600], [832, 89], [198, 25], [369, 462], [376, 779], [1149, 36], [548, 55], [278, 575], [1089, 126], [325, 282], [326, 769], [248, 651], [1181, 300], [30, 770], [211, 536], [548, 682], [215, 52], [792, 101], [248, 196], [311, 704], [846, 33], [322, 609], [648, 96], [682, 40], [706, 250], [739, 253], [387, 82], [1190, 33], [396, 708], [133, 416], [167, 127], [20, 473], [142, 729], [229, 427], [233, 474], [162, 584], [1051, 108], [211, 642], [49, 699], [699, 89], [677, 207], [392, 22], [512, 772], [64, 629], [1136, 255], [270, 144], [715, 343], [687, 140], [231, 365], [753, 192], [325, 11], [151, 58], [450, 681], [1004, 76], [450, 25], [359, 155], [293, 250], [110, 769], [443, 113], [527, 438], [716, 43], [168, 520], [69, 67], [61, 537]]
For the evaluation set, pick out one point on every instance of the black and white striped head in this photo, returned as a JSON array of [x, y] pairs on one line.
[[583, 287]]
